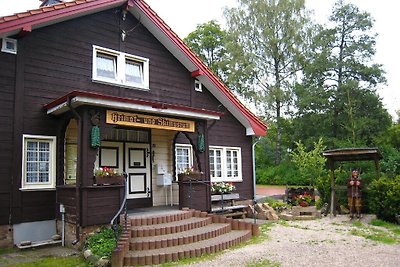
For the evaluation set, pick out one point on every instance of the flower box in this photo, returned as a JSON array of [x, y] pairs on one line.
[[189, 177], [109, 180]]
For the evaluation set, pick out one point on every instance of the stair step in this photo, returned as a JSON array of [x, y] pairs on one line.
[[181, 238], [170, 227], [168, 254], [139, 220]]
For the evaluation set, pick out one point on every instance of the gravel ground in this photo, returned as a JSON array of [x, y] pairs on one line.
[[321, 242]]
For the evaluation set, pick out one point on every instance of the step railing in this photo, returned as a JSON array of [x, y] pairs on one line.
[[114, 222]]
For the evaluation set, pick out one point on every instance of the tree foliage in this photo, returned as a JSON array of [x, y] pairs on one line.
[[208, 42], [339, 88], [267, 43], [311, 164]]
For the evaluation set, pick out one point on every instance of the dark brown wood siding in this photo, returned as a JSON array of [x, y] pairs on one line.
[[57, 59], [229, 132], [7, 86]]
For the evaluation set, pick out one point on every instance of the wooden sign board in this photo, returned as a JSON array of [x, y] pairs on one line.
[[147, 121]]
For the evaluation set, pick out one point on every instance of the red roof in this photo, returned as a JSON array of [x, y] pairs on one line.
[[26, 21]]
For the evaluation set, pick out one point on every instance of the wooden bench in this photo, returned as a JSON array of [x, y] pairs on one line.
[[226, 206]]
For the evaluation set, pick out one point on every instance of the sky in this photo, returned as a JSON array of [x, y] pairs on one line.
[[184, 15]]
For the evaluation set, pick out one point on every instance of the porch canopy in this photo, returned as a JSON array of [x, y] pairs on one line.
[[349, 154], [75, 99]]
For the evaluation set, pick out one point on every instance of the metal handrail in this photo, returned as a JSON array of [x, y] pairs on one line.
[[123, 208]]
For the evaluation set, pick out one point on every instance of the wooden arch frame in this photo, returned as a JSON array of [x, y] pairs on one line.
[[349, 154]]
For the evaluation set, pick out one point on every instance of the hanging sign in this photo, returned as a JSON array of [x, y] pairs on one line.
[[147, 121]]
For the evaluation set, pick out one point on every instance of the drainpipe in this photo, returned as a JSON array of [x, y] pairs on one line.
[[78, 175], [254, 176]]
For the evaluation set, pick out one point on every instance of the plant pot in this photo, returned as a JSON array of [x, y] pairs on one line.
[[189, 177], [304, 204], [109, 180]]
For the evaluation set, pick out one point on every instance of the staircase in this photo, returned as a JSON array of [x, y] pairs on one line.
[[157, 239]]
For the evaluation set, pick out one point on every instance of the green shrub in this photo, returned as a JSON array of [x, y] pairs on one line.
[[102, 243], [285, 173], [277, 205], [384, 198]]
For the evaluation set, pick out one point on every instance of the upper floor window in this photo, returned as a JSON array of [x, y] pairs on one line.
[[39, 157], [113, 67], [225, 163]]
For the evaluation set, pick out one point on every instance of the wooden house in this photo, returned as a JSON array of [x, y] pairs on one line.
[[106, 83]]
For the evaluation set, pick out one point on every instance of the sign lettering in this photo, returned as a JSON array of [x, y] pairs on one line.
[[147, 121]]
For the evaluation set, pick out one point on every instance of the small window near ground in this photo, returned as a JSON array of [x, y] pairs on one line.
[[39, 157], [9, 45], [225, 164], [183, 157]]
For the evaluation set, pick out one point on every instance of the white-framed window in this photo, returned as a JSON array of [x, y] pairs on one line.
[[183, 157], [118, 68], [38, 162], [9, 45], [198, 86], [225, 163]]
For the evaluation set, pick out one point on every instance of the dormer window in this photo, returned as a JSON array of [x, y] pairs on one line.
[[121, 69]]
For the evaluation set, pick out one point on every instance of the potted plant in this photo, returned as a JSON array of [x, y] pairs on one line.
[[222, 187], [304, 200], [108, 176]]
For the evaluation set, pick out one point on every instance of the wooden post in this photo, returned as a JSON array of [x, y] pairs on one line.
[[332, 167]]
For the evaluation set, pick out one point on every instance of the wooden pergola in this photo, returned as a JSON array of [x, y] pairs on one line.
[[349, 154]]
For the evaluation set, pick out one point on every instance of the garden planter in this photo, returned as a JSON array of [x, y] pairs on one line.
[[109, 180], [189, 177]]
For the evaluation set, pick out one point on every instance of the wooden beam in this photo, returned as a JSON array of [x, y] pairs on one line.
[[197, 73]]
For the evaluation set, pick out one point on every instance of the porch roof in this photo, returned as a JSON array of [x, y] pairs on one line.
[[352, 154], [79, 98]]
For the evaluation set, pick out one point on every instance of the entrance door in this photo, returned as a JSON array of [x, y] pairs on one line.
[[137, 167]]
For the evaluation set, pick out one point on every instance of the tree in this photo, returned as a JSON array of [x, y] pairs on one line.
[[311, 164], [267, 43], [343, 74], [208, 42]]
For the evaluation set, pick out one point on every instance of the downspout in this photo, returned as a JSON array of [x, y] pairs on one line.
[[254, 176], [78, 174]]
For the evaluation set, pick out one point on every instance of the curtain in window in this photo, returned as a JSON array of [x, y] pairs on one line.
[[133, 72], [106, 66]]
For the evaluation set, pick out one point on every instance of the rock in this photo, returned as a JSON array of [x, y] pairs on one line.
[[87, 253], [25, 243], [56, 237], [258, 207], [249, 211], [271, 215], [103, 262], [262, 216]]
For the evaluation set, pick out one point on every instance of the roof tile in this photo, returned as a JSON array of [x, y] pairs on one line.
[[41, 10]]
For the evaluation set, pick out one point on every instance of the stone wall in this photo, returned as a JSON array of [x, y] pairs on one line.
[[6, 236]]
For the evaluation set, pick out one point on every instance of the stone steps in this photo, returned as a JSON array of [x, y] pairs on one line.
[[180, 238], [161, 238], [175, 253]]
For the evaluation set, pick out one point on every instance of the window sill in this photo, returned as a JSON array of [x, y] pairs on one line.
[[137, 87], [236, 180], [37, 189]]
